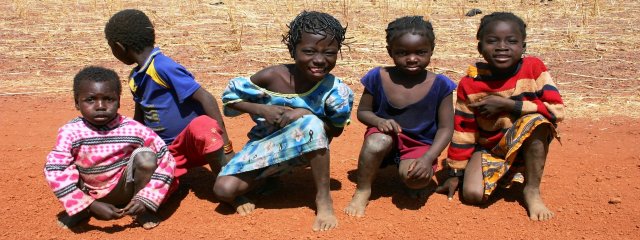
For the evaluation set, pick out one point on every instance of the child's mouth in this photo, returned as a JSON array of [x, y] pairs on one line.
[[316, 70]]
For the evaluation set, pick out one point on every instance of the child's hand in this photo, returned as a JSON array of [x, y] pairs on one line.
[[421, 168], [292, 115], [105, 211], [449, 187], [273, 114], [389, 126], [492, 106], [134, 208]]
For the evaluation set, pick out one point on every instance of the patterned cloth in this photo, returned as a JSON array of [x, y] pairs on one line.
[[500, 165], [163, 88], [530, 86], [330, 101], [418, 120], [88, 161]]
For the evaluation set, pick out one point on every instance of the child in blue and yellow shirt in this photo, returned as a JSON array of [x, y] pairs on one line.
[[168, 99]]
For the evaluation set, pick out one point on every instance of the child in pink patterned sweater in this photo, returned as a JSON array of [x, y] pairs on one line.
[[104, 164]]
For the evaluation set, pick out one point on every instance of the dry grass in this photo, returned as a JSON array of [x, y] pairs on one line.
[[589, 45]]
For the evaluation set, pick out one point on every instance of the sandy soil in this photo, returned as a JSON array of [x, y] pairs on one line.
[[595, 165]]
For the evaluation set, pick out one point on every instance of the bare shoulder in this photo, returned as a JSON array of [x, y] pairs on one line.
[[267, 75]]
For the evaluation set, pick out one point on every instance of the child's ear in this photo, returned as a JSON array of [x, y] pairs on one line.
[[389, 51], [77, 106], [524, 45], [120, 47], [480, 47]]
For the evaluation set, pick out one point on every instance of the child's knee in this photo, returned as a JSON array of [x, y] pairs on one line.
[[471, 195], [145, 161], [377, 143], [224, 189]]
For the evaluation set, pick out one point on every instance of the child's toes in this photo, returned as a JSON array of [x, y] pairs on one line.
[[147, 220]]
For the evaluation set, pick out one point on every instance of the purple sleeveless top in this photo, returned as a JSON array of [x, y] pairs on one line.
[[418, 120]]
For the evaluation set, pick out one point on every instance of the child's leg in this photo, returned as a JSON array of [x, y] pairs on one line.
[[230, 189], [374, 148], [417, 187], [403, 171], [325, 218], [216, 160], [535, 150], [144, 165], [473, 186]]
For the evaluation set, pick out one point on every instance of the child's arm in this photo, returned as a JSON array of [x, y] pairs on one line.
[[542, 97], [271, 113], [211, 109], [138, 114], [421, 168], [367, 117], [62, 174]]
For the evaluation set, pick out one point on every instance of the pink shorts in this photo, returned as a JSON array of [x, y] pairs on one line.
[[404, 148], [201, 137]]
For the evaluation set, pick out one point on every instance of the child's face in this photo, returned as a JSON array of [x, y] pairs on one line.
[[120, 53], [411, 53], [98, 102], [502, 45], [316, 55]]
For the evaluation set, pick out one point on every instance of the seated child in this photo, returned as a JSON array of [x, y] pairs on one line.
[[506, 115], [408, 112], [298, 108], [168, 99], [104, 164]]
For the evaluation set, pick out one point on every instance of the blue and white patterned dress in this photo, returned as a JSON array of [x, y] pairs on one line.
[[270, 147]]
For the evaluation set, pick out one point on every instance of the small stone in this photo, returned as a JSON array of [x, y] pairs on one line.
[[599, 179], [615, 200]]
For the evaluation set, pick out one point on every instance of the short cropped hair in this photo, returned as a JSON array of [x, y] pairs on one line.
[[95, 74], [131, 28]]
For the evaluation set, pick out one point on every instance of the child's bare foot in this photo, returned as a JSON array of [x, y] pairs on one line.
[[325, 218], [537, 210], [243, 205], [65, 221], [147, 220], [358, 204]]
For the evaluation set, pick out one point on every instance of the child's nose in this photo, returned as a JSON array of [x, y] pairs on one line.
[[101, 104], [319, 59]]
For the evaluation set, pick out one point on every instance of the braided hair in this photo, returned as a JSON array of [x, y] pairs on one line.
[[410, 24], [315, 23], [95, 74], [132, 28], [503, 17]]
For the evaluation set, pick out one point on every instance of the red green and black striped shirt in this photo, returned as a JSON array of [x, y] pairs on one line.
[[531, 87]]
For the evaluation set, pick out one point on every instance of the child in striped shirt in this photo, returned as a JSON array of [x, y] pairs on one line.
[[104, 164], [505, 118]]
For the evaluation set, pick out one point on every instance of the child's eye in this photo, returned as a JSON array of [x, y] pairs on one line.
[[308, 52], [89, 100], [423, 53], [330, 54]]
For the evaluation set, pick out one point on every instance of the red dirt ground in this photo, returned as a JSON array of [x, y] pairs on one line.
[[597, 164]]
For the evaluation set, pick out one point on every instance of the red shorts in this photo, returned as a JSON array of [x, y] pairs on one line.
[[404, 148], [201, 137]]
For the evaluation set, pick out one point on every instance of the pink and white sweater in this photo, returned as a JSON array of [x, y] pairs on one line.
[[88, 161]]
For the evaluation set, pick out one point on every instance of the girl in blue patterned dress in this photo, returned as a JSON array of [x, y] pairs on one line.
[[298, 108]]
